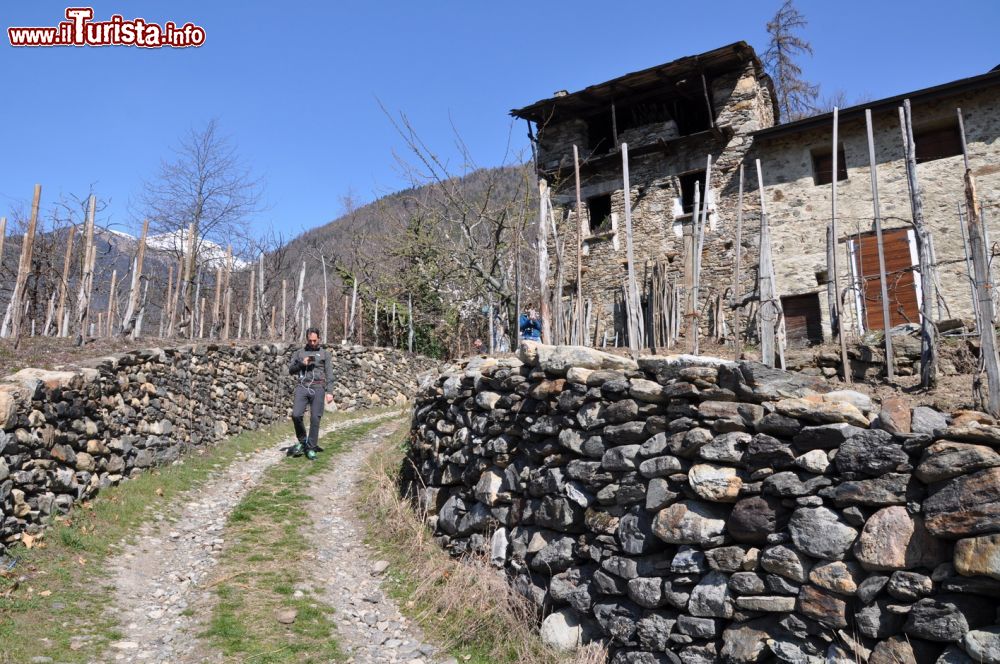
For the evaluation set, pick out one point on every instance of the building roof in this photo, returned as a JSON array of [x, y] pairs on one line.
[[989, 79], [597, 97]]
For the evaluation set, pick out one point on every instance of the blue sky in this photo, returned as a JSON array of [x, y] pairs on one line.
[[296, 85]]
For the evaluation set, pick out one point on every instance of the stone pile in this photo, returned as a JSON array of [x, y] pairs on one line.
[[64, 435], [693, 510]]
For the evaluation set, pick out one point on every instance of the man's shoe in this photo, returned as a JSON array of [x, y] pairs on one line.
[[317, 448], [297, 450], [311, 455]]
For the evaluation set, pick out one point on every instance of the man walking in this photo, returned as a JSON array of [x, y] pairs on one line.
[[314, 370]]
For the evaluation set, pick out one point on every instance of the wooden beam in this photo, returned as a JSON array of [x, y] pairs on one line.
[[737, 267], [928, 335], [61, 324], [24, 268], [844, 362], [889, 360], [579, 332], [132, 310]]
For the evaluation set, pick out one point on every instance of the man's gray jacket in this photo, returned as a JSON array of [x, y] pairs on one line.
[[318, 373]]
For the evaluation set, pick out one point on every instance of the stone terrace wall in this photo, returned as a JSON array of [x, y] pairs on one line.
[[64, 435], [693, 510]]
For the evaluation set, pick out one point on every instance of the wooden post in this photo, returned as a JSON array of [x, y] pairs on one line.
[[24, 267], [132, 310], [351, 328], [579, 331], [86, 274], [928, 340], [61, 330], [635, 341], [142, 311], [769, 310], [737, 267], [217, 303], [196, 312], [361, 322], [699, 245], [201, 320], [326, 301], [112, 303], [691, 313], [228, 290], [409, 343], [345, 318], [284, 309], [250, 306], [261, 303], [983, 285], [300, 311], [176, 297], [889, 360], [542, 247], [844, 362], [968, 263], [270, 329]]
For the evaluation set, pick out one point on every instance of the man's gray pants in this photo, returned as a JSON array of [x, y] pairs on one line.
[[311, 397]]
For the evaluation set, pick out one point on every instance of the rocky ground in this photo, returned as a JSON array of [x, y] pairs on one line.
[[164, 579]]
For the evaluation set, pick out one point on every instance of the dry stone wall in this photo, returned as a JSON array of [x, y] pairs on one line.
[[65, 435], [694, 510]]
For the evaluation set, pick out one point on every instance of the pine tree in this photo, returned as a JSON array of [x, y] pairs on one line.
[[797, 98]]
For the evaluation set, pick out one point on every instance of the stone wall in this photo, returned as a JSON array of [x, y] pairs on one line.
[[64, 435], [695, 510]]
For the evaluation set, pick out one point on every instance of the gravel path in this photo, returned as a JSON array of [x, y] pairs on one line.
[[370, 628], [167, 569]]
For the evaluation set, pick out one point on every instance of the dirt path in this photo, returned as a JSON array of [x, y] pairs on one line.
[[370, 627], [167, 569]]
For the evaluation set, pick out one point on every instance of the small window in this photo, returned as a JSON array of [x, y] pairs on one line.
[[823, 166], [687, 189], [599, 208], [938, 142]]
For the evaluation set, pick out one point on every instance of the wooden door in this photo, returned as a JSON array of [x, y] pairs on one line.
[[899, 270], [803, 320]]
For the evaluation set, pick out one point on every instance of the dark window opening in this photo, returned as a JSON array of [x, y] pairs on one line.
[[823, 166], [600, 213], [641, 114], [687, 189], [938, 143], [691, 115], [600, 133]]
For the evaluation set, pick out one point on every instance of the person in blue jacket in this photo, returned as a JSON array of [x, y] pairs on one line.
[[530, 325]]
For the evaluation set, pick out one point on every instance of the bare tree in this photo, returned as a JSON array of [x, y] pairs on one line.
[[201, 198], [797, 98]]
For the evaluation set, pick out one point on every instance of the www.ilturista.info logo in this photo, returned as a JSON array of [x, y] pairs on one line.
[[81, 30]]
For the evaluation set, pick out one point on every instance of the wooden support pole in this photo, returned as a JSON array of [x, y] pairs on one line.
[[326, 302], [201, 320], [835, 235], [737, 267], [769, 311], [886, 322], [699, 249], [132, 310], [928, 335], [542, 247], [579, 332], [228, 293], [112, 303], [635, 341], [345, 318], [61, 324], [86, 274], [24, 267], [261, 303], [250, 306], [409, 343]]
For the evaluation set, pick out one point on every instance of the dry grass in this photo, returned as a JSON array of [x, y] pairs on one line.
[[466, 606]]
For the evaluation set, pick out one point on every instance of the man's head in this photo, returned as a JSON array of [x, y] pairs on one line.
[[312, 338]]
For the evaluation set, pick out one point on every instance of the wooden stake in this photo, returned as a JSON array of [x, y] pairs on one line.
[[132, 310], [345, 318], [86, 274], [770, 307], [737, 297], [578, 332], [228, 304], [542, 247], [844, 362], [112, 303], [928, 340], [889, 360], [201, 320], [250, 306], [61, 330], [635, 340], [261, 303], [326, 301], [24, 267]]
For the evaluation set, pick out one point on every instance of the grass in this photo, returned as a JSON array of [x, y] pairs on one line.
[[464, 605], [52, 603], [263, 568]]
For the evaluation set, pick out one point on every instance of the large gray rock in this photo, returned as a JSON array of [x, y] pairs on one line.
[[557, 360], [947, 618], [821, 533], [871, 452], [690, 522], [927, 420], [983, 645], [711, 597], [892, 539], [946, 459], [754, 518], [966, 505]]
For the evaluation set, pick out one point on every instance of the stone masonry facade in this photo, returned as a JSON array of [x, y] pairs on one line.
[[743, 128]]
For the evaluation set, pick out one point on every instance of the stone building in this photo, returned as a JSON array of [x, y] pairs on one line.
[[721, 103]]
